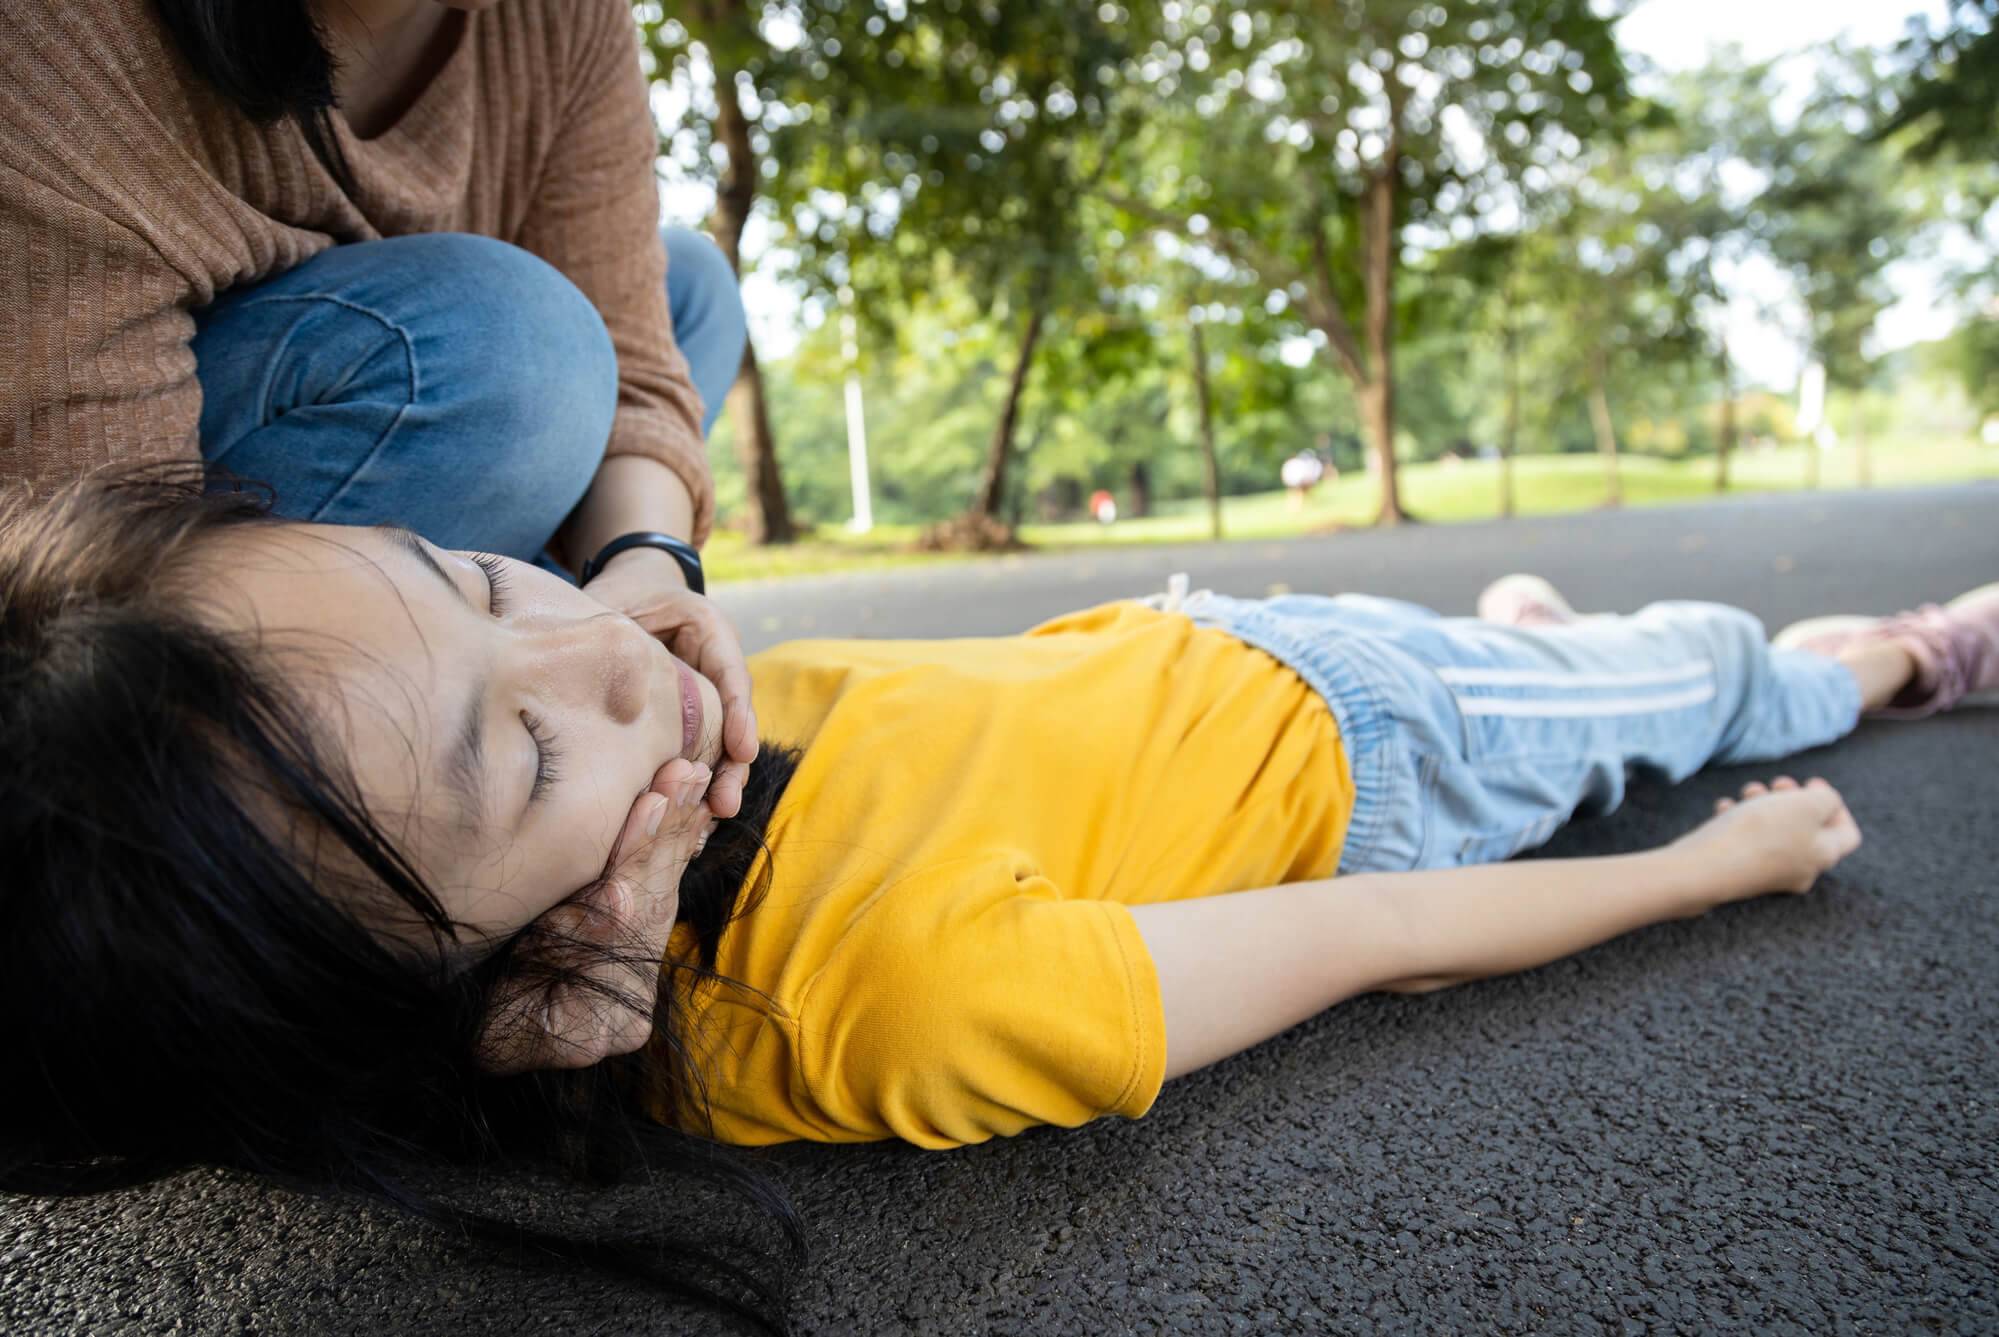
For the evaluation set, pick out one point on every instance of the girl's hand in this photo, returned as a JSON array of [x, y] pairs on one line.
[[585, 988], [647, 586], [1778, 837]]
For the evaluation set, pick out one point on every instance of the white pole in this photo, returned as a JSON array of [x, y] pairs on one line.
[[857, 424], [1811, 421]]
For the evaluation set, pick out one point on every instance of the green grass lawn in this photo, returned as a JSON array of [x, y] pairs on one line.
[[1543, 485]]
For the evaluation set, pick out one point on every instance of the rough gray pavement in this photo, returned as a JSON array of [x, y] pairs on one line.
[[1778, 1118]]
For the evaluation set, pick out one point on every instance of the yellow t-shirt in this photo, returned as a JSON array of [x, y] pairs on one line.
[[945, 945]]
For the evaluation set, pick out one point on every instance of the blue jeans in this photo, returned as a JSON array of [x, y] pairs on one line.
[[1471, 742], [451, 383]]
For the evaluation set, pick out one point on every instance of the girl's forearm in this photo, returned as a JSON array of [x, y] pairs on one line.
[[1234, 970], [1469, 923]]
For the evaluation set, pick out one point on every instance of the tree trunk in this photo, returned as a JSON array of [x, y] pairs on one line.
[[1727, 444], [1211, 471], [1606, 430], [1377, 397], [1510, 445], [1863, 458], [1377, 424], [992, 487], [770, 513], [1062, 499], [735, 196], [1138, 489]]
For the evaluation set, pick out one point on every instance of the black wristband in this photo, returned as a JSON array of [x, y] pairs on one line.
[[683, 553]]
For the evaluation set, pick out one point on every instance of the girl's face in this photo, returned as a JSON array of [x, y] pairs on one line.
[[501, 722]]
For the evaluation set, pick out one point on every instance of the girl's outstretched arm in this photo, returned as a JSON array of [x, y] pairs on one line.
[[1234, 970]]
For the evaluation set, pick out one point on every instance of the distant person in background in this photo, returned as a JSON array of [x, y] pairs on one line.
[[1103, 507], [399, 259], [1300, 474]]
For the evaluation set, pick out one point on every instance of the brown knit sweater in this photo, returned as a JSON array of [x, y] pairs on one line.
[[130, 193]]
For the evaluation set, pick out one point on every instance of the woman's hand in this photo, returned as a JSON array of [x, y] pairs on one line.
[[647, 586], [586, 986], [1778, 837]]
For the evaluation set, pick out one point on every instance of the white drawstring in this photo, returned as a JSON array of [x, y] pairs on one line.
[[1176, 599]]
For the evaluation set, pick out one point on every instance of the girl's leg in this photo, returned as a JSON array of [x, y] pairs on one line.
[[1555, 717], [454, 384], [1882, 668], [1951, 653]]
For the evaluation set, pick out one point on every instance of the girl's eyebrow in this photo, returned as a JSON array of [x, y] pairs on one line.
[[464, 767], [412, 543]]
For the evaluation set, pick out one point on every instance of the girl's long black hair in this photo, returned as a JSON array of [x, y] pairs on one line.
[[191, 986], [269, 58]]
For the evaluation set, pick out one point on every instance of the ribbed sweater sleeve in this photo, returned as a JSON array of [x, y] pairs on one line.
[[94, 362]]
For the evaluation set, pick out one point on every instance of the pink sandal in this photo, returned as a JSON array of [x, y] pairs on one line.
[[1956, 649]]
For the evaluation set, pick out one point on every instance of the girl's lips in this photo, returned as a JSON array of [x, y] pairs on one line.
[[690, 711]]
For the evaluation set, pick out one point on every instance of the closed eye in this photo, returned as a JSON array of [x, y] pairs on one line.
[[548, 755], [547, 758], [496, 581]]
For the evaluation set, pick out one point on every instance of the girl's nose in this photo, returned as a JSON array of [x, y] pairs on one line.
[[606, 659]]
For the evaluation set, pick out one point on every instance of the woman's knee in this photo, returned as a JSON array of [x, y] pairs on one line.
[[520, 380], [508, 336], [482, 372]]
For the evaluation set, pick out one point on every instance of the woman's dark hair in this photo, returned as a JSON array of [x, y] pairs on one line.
[[189, 988], [270, 59]]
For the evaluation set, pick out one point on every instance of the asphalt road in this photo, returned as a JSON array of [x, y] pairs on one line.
[[1779, 1118]]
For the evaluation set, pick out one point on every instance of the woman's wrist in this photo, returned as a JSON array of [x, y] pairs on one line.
[[681, 551], [661, 569], [630, 493]]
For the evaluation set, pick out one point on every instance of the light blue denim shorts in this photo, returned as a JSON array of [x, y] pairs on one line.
[[1471, 742]]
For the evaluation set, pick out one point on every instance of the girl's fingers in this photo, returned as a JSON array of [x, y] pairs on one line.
[[1783, 782], [1755, 789], [1723, 804]]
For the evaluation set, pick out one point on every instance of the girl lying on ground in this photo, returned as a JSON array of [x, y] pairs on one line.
[[326, 845]]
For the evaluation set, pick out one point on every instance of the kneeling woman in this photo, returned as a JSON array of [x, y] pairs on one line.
[[324, 841]]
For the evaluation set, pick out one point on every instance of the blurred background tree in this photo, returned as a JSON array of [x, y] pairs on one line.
[[1396, 233], [1944, 112], [1318, 146], [739, 69]]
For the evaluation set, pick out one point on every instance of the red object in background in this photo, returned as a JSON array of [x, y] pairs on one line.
[[1103, 507]]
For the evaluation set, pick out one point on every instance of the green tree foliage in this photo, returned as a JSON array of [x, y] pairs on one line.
[[1949, 99], [1946, 110], [1312, 143], [1835, 213], [723, 39], [1976, 348], [1459, 209], [949, 144]]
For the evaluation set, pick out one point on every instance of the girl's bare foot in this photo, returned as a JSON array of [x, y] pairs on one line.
[[1522, 600]]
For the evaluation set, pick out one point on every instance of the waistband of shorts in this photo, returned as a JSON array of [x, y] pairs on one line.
[[1343, 671]]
